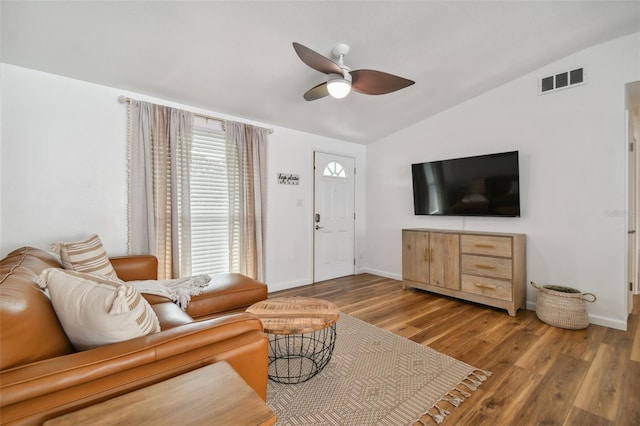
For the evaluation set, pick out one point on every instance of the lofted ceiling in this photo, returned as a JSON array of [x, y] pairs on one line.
[[236, 57]]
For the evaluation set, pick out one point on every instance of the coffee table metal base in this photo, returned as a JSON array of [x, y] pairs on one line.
[[295, 358]]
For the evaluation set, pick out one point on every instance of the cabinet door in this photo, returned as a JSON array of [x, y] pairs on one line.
[[415, 247], [444, 257]]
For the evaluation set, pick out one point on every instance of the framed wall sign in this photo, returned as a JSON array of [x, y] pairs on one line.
[[288, 179]]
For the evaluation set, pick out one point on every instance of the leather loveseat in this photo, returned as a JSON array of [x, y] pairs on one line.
[[42, 376]]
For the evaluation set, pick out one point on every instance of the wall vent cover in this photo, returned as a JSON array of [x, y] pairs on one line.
[[562, 80]]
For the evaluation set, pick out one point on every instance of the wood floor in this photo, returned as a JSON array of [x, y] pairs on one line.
[[542, 375]]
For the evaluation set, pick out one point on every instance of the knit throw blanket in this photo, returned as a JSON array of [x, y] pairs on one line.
[[179, 290]]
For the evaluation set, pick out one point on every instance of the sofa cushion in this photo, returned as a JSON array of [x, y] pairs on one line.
[[170, 315], [96, 310], [29, 328], [226, 292], [85, 256], [138, 267]]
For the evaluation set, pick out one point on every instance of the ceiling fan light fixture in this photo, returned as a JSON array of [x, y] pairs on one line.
[[338, 86]]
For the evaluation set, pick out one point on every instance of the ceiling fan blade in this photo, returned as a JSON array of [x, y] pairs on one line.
[[317, 92], [372, 82], [316, 60]]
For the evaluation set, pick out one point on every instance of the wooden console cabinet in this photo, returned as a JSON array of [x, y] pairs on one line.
[[482, 267]]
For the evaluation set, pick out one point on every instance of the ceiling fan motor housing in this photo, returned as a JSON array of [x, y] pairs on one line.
[[346, 76]]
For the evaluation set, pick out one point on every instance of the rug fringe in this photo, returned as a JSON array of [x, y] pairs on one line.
[[452, 399], [464, 393], [437, 413]]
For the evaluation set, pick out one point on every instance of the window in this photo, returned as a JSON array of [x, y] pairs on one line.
[[334, 169], [210, 251]]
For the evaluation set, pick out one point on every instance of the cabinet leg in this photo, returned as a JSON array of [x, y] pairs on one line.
[[512, 311]]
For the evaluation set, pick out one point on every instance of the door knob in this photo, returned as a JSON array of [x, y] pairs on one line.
[[319, 227]]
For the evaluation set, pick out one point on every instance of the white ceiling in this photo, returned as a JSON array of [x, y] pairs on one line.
[[236, 57]]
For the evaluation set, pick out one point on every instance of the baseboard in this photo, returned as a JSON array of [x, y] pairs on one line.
[[289, 285], [594, 319], [380, 273]]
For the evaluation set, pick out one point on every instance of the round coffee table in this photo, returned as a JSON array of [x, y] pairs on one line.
[[302, 334]]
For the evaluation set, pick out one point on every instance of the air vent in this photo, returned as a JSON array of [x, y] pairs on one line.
[[562, 80]]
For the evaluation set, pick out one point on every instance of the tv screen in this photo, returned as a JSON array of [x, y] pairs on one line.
[[484, 185]]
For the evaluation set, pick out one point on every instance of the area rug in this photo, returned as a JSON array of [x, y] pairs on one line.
[[376, 378]]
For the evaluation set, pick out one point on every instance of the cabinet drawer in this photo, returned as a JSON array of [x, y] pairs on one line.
[[486, 244], [487, 266], [498, 289]]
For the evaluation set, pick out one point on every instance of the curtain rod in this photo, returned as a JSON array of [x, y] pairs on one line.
[[124, 99]]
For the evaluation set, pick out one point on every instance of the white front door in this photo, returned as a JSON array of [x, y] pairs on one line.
[[334, 217]]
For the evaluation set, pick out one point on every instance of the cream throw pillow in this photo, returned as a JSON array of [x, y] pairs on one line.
[[96, 311], [85, 256]]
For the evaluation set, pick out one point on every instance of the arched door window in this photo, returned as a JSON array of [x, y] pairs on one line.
[[335, 169]]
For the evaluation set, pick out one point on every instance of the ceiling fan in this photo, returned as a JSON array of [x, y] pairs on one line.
[[341, 79]]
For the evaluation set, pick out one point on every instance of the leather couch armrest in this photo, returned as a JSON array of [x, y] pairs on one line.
[[137, 362], [135, 267]]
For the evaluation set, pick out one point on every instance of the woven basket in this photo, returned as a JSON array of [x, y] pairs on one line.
[[563, 307]]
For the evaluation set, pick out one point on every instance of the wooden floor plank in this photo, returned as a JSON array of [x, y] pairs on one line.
[[602, 391], [542, 375], [502, 357], [495, 324], [584, 343], [502, 404], [443, 330], [580, 417], [635, 348], [556, 391], [633, 337], [541, 356], [630, 404]]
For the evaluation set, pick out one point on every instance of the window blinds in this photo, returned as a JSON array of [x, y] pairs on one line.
[[210, 251]]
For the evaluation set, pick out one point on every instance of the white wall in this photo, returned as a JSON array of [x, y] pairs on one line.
[[63, 159], [573, 175], [63, 162], [290, 232]]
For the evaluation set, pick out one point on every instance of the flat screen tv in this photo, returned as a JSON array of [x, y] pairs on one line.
[[484, 185]]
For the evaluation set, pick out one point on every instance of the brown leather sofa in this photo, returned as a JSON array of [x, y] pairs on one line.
[[42, 376]]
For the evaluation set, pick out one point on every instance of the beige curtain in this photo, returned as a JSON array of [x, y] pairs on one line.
[[159, 204], [247, 148]]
